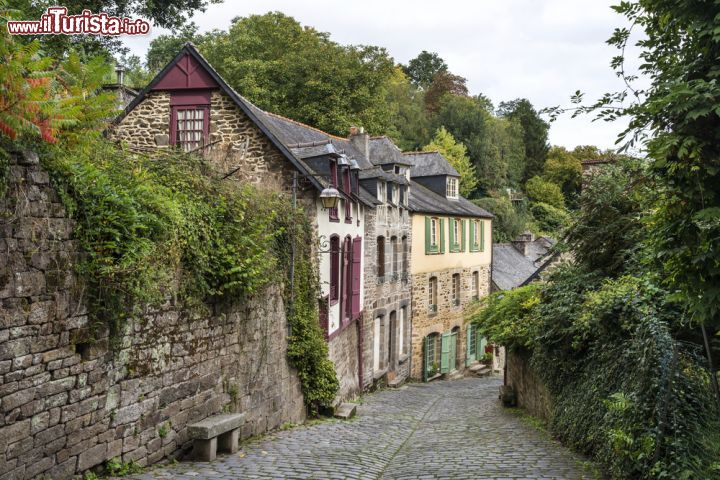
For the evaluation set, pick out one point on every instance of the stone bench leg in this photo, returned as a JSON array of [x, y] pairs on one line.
[[205, 450], [228, 441]]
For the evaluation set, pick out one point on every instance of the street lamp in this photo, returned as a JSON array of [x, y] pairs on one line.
[[329, 197]]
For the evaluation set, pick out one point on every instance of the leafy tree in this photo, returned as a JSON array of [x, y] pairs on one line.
[[422, 69], [409, 125], [299, 72], [539, 190], [164, 48], [456, 154], [136, 75], [444, 83], [564, 169], [169, 14], [508, 222], [535, 134]]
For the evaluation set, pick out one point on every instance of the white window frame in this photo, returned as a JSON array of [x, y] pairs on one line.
[[456, 231], [476, 284], [451, 187], [456, 287], [432, 293], [382, 192], [433, 231]]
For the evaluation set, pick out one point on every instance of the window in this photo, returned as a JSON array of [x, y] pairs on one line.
[[477, 236], [432, 356], [434, 235], [457, 235], [394, 249], [346, 292], [451, 190], [380, 257], [401, 332], [376, 343], [404, 269], [456, 289], [334, 268], [346, 189], [475, 285], [396, 194], [432, 294], [381, 193], [190, 127]]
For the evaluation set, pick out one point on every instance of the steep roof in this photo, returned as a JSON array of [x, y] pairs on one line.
[[254, 113], [384, 151], [429, 164], [424, 200], [511, 269]]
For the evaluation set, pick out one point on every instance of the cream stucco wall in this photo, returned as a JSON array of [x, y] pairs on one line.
[[326, 228], [423, 263]]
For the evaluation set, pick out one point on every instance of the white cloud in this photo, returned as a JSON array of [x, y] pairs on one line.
[[541, 50]]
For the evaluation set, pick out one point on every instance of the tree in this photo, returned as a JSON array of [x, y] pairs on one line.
[[564, 169], [535, 134], [164, 48], [409, 126], [542, 191], [444, 83], [508, 222], [169, 14], [422, 69], [296, 71], [456, 154]]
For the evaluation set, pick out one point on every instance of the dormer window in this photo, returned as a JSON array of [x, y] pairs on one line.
[[189, 120], [451, 190]]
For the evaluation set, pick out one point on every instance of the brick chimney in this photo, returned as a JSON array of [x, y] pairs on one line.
[[522, 241], [360, 140], [120, 71]]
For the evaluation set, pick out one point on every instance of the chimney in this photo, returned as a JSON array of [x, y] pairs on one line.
[[120, 71], [522, 241], [360, 140]]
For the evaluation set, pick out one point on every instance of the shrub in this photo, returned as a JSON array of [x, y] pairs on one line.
[[549, 219], [542, 191], [508, 222]]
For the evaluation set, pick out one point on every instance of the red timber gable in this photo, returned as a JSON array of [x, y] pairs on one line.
[[186, 73]]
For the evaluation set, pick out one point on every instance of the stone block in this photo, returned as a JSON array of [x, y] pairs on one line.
[[94, 456], [17, 399], [28, 284]]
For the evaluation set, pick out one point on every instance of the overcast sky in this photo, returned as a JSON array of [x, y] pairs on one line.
[[543, 50]]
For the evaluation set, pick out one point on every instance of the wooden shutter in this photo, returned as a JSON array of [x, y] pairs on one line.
[[334, 267], [428, 226], [462, 238], [473, 247], [445, 353], [453, 351], [482, 235], [470, 345], [451, 234], [356, 275], [426, 358], [441, 240], [481, 347]]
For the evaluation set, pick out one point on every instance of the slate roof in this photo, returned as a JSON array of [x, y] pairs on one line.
[[384, 151], [511, 269], [424, 200], [429, 164]]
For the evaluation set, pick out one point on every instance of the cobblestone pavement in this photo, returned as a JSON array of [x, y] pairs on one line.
[[445, 429]]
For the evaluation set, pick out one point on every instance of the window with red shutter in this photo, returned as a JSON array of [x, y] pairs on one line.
[[346, 290], [356, 275], [334, 268]]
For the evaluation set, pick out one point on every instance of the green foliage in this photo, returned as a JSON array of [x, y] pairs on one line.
[[535, 134], [503, 317], [444, 84], [456, 154], [141, 219], [409, 125], [607, 227], [509, 221], [296, 71], [116, 468], [422, 69], [539, 190], [548, 220], [307, 348], [564, 169]]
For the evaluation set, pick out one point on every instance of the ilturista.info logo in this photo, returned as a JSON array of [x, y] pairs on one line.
[[56, 21]]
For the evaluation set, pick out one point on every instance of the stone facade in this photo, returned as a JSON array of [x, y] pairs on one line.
[[447, 316], [386, 299], [67, 405], [235, 142], [343, 351]]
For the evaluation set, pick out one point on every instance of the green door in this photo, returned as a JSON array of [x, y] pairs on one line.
[[471, 345]]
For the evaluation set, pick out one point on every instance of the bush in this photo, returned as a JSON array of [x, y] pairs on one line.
[[542, 191], [549, 219]]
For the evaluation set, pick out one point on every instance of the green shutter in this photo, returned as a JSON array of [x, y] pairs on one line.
[[473, 246], [442, 235], [453, 351], [428, 225], [470, 345], [451, 234], [445, 353], [462, 232], [426, 356], [482, 235]]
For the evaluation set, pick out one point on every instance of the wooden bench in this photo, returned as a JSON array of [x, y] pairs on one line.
[[219, 432]]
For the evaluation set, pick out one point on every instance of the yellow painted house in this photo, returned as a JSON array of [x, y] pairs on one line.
[[450, 267]]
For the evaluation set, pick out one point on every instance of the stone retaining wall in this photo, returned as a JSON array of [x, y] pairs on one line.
[[67, 405], [532, 394]]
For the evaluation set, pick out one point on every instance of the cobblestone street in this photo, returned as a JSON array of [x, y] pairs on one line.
[[445, 429]]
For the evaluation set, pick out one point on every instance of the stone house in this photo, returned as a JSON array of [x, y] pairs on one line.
[[188, 105], [450, 267], [519, 262], [388, 284]]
